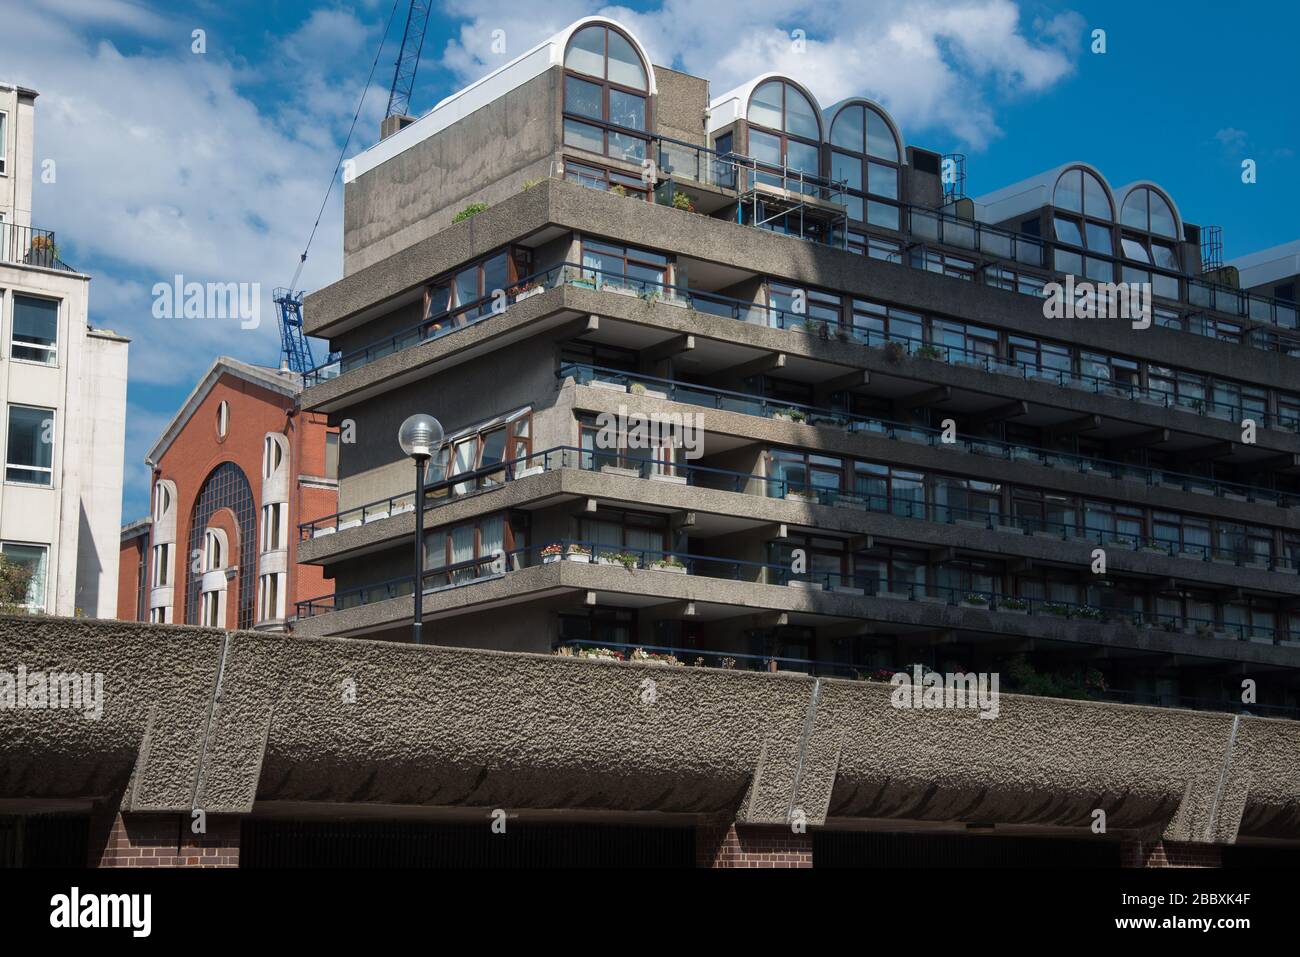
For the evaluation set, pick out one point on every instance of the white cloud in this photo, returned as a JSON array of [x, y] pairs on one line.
[[934, 64]]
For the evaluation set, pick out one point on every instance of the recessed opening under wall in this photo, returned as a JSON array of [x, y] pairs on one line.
[[44, 840], [872, 849], [266, 842]]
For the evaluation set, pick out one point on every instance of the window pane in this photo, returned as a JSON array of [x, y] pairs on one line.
[[765, 106], [1098, 237], [800, 118], [882, 180], [626, 146], [847, 130], [1162, 255], [31, 456], [802, 156], [583, 136], [31, 560], [880, 138], [1162, 217], [1067, 231], [624, 64], [496, 274], [36, 329], [582, 96], [847, 169], [882, 214], [586, 52], [1095, 201], [1134, 250], [765, 147], [627, 109], [1134, 212], [1068, 195]]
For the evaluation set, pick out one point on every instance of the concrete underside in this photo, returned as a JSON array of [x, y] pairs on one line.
[[238, 722]]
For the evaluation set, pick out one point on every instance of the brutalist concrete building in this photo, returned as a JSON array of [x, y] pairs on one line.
[[740, 383]]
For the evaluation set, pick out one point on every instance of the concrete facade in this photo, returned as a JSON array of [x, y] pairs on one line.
[[64, 385]]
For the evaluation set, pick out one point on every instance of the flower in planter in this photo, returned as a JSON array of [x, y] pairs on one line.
[[929, 352], [638, 388], [1015, 604], [552, 549], [666, 562], [576, 549], [727, 663], [975, 599]]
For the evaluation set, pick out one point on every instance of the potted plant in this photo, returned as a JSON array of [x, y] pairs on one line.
[[975, 600], [1057, 608], [929, 352], [639, 388], [527, 289], [552, 553], [473, 209], [626, 559], [1016, 606], [668, 564], [894, 352], [683, 202], [582, 281], [655, 658], [577, 553], [1089, 613], [791, 415], [618, 190]]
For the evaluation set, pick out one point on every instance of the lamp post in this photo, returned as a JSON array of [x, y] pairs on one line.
[[420, 437]]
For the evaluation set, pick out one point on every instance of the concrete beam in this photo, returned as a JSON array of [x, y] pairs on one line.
[[1141, 440], [667, 350], [999, 413], [918, 400], [768, 362], [1084, 423]]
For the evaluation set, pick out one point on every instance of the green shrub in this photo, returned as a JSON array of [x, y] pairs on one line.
[[473, 209]]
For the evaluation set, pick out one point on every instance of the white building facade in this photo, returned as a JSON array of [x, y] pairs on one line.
[[64, 389]]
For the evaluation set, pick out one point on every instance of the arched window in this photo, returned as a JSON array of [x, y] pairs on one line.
[[1149, 237], [1082, 220], [223, 419], [272, 454], [784, 130], [162, 500], [605, 94], [864, 155], [213, 550]]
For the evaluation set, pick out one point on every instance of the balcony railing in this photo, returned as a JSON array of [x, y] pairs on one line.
[[765, 407], [864, 582], [28, 246]]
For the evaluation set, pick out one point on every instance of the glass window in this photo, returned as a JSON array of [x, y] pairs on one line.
[[847, 130], [584, 136], [30, 455], [802, 156], [765, 105], [584, 97], [1162, 217], [627, 109], [765, 147], [880, 138], [882, 180], [1069, 191], [332, 455], [1067, 231], [1095, 200], [1134, 249], [36, 330], [1098, 237], [800, 117], [1134, 212], [586, 53], [625, 67], [31, 560]]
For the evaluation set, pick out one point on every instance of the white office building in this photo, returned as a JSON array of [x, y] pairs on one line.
[[64, 390]]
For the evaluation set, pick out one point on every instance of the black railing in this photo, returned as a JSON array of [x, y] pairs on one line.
[[29, 246]]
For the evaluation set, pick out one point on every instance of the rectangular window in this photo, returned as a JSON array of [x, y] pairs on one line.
[[161, 565], [332, 455], [30, 455], [272, 535], [36, 330], [31, 561]]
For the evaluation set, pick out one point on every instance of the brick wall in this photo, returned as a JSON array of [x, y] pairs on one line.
[[731, 845], [162, 840], [1170, 854]]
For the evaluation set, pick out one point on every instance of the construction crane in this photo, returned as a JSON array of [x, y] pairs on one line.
[[295, 350], [408, 59]]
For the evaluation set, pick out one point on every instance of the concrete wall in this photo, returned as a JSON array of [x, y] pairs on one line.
[[524, 731]]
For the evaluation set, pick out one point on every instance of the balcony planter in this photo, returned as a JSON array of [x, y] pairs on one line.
[[975, 601], [619, 290], [970, 523], [529, 293], [807, 586], [1261, 641], [636, 388], [1289, 642], [552, 553], [578, 553], [790, 415], [606, 384], [531, 470], [1234, 497], [625, 559], [666, 477], [850, 501], [668, 565], [848, 590], [897, 596], [583, 283], [616, 470], [1052, 608], [1009, 529], [808, 497]]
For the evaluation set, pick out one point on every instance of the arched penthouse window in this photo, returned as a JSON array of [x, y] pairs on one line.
[[1083, 218], [605, 94], [784, 128], [865, 154], [1149, 237]]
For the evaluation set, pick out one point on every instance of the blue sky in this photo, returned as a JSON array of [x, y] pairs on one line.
[[214, 164]]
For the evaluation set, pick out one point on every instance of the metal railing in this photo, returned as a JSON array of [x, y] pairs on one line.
[[29, 246], [864, 582], [850, 422]]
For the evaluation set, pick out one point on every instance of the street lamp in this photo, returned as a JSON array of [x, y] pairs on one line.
[[420, 437]]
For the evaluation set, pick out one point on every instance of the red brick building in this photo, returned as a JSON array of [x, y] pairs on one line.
[[234, 474]]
